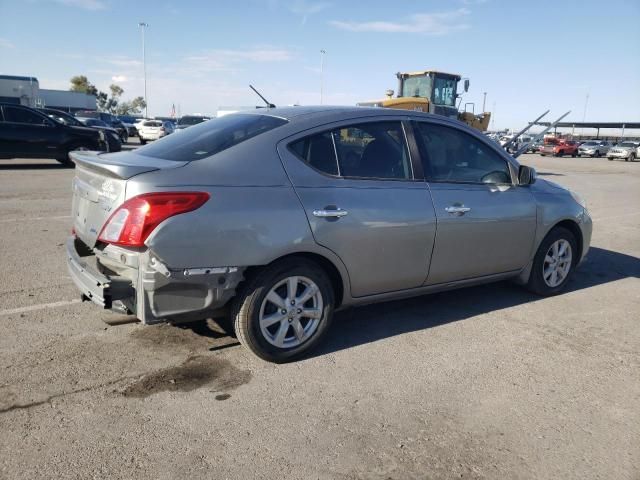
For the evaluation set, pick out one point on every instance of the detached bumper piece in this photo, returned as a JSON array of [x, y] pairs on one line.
[[93, 285]]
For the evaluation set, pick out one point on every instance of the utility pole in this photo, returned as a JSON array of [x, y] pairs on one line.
[[322, 53], [143, 27], [484, 101], [493, 117]]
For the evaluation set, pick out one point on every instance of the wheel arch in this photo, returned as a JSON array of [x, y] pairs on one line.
[[333, 272], [574, 228]]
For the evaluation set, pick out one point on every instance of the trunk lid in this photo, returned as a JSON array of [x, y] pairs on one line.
[[99, 187]]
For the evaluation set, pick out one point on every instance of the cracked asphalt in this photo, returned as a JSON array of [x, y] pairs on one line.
[[484, 382]]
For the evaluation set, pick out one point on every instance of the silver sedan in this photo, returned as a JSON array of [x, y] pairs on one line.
[[279, 217]]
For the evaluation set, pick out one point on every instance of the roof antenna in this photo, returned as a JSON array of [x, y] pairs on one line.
[[269, 104]]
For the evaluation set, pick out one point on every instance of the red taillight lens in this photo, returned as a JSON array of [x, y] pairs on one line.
[[136, 218]]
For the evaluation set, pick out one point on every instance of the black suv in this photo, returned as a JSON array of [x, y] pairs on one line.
[[111, 121], [27, 133]]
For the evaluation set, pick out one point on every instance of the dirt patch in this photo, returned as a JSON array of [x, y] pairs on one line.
[[166, 336], [219, 374]]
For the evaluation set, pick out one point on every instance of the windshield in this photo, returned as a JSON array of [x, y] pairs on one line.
[[627, 144], [416, 87], [191, 120], [586, 144], [444, 91], [64, 118], [209, 138]]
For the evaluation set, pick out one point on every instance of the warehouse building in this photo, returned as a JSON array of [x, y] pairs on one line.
[[26, 91]]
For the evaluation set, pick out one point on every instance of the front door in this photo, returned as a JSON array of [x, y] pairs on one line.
[[486, 223], [356, 185], [31, 134]]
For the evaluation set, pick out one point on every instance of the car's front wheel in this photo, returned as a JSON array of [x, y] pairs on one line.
[[554, 262], [285, 310]]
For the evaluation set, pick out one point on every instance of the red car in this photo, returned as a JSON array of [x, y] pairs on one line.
[[560, 148]]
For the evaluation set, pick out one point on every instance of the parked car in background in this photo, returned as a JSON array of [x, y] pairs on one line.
[[594, 148], [28, 133], [189, 120], [111, 120], [112, 139], [111, 134], [154, 129], [278, 217], [629, 151], [129, 122], [560, 148], [534, 147]]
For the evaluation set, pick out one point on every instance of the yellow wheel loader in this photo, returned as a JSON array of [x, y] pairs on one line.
[[433, 92]]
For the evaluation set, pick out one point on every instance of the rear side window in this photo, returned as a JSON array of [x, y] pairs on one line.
[[22, 115], [374, 150], [211, 137]]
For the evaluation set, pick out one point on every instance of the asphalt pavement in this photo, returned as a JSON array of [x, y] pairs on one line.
[[483, 382]]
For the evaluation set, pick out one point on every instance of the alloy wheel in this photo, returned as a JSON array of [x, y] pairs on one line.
[[557, 263], [291, 312]]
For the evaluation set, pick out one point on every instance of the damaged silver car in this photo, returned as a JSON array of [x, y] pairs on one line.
[[279, 217]]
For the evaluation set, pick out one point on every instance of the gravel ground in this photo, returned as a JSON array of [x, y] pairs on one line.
[[485, 382]]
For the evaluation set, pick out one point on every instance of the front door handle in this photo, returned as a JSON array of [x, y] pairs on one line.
[[457, 210], [337, 213]]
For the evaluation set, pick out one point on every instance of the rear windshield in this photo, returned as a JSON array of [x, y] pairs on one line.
[[211, 137], [152, 124], [191, 120]]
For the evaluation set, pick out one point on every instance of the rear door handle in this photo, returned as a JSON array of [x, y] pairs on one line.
[[455, 210], [337, 213]]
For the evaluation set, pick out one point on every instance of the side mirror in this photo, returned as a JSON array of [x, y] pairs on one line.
[[527, 175], [466, 85]]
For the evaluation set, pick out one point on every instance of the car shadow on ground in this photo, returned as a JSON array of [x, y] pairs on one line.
[[362, 325], [358, 326], [33, 166]]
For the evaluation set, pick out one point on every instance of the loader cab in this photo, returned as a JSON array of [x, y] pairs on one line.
[[440, 89]]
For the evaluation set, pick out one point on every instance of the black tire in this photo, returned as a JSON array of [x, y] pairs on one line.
[[597, 154], [632, 157], [143, 141], [560, 153], [536, 282], [610, 159], [66, 162], [574, 154], [247, 304]]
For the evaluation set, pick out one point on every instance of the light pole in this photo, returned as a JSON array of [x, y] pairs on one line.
[[143, 26], [484, 101], [322, 53], [584, 113]]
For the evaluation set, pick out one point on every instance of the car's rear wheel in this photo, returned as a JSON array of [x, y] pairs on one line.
[[554, 262], [632, 157], [560, 153], [285, 310], [143, 141], [77, 147], [610, 159]]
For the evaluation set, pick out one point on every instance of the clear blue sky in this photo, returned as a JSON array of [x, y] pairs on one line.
[[528, 56]]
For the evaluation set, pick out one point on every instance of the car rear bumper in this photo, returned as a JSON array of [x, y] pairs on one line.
[[93, 285]]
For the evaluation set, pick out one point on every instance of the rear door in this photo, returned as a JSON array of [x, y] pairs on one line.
[[486, 224], [357, 187], [28, 133]]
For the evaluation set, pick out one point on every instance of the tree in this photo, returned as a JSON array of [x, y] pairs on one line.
[[81, 84], [131, 108], [106, 103]]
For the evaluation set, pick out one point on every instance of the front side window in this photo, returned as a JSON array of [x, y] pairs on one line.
[[22, 115], [451, 155], [208, 138], [369, 151]]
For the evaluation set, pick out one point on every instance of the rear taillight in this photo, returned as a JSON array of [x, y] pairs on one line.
[[162, 129], [136, 218]]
